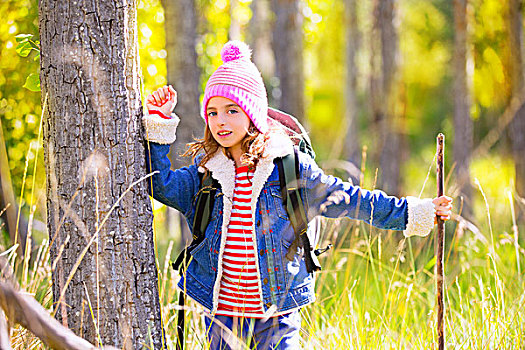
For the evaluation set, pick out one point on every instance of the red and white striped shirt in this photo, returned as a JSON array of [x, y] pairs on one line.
[[239, 291]]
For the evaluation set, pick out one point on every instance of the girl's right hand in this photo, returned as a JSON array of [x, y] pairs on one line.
[[443, 206], [163, 99]]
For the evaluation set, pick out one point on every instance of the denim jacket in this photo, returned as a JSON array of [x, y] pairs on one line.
[[284, 285]]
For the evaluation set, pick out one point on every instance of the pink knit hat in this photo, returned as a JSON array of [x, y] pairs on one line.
[[239, 80]]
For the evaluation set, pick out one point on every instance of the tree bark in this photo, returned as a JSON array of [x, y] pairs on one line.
[[106, 278], [287, 46], [517, 81], [184, 75], [463, 128], [352, 149]]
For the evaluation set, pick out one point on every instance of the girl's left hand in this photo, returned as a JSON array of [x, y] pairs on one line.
[[164, 100], [443, 207]]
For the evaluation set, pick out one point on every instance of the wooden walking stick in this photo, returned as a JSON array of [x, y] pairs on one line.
[[440, 243]]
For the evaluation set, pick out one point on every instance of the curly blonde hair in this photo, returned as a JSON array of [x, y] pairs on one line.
[[253, 146]]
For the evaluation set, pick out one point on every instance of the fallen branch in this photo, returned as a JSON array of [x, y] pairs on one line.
[[5, 344], [26, 311]]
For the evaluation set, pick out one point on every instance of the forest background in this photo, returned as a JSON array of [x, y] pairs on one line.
[[376, 87]]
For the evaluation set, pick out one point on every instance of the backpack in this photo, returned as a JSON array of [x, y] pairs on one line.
[[288, 168]]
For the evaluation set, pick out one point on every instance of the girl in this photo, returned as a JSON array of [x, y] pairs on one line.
[[239, 272]]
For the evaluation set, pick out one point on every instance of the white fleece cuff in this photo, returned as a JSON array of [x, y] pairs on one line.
[[421, 214], [161, 130]]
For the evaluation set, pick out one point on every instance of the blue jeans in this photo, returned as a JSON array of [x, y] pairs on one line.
[[281, 332]]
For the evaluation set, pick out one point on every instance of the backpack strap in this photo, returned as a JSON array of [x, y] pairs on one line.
[[204, 207], [288, 167], [180, 321]]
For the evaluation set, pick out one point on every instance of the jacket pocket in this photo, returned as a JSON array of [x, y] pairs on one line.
[[215, 225], [200, 266], [276, 199]]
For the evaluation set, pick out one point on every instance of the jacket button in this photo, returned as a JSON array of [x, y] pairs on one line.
[[258, 223], [261, 252], [265, 281]]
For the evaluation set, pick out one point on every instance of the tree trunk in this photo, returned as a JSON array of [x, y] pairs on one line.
[[463, 138], [183, 72], [288, 51], [391, 124], [352, 149], [517, 80], [259, 37], [184, 75], [234, 33], [94, 152], [375, 101]]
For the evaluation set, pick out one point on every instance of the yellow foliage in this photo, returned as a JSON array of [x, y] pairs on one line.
[[151, 36], [425, 58], [495, 183], [489, 80], [488, 33], [490, 20]]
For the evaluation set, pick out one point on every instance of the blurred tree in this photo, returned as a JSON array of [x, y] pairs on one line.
[[426, 44], [463, 138], [385, 95], [184, 75], [19, 109], [99, 212], [374, 85], [353, 41], [287, 43], [517, 126], [235, 26], [259, 37], [15, 225], [325, 71], [214, 25]]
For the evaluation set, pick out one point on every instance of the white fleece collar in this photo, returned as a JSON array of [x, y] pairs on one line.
[[223, 170]]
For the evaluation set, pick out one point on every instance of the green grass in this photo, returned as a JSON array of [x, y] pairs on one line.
[[373, 293], [376, 289]]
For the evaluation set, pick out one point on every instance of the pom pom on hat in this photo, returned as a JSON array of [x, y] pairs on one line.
[[239, 80], [234, 50]]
